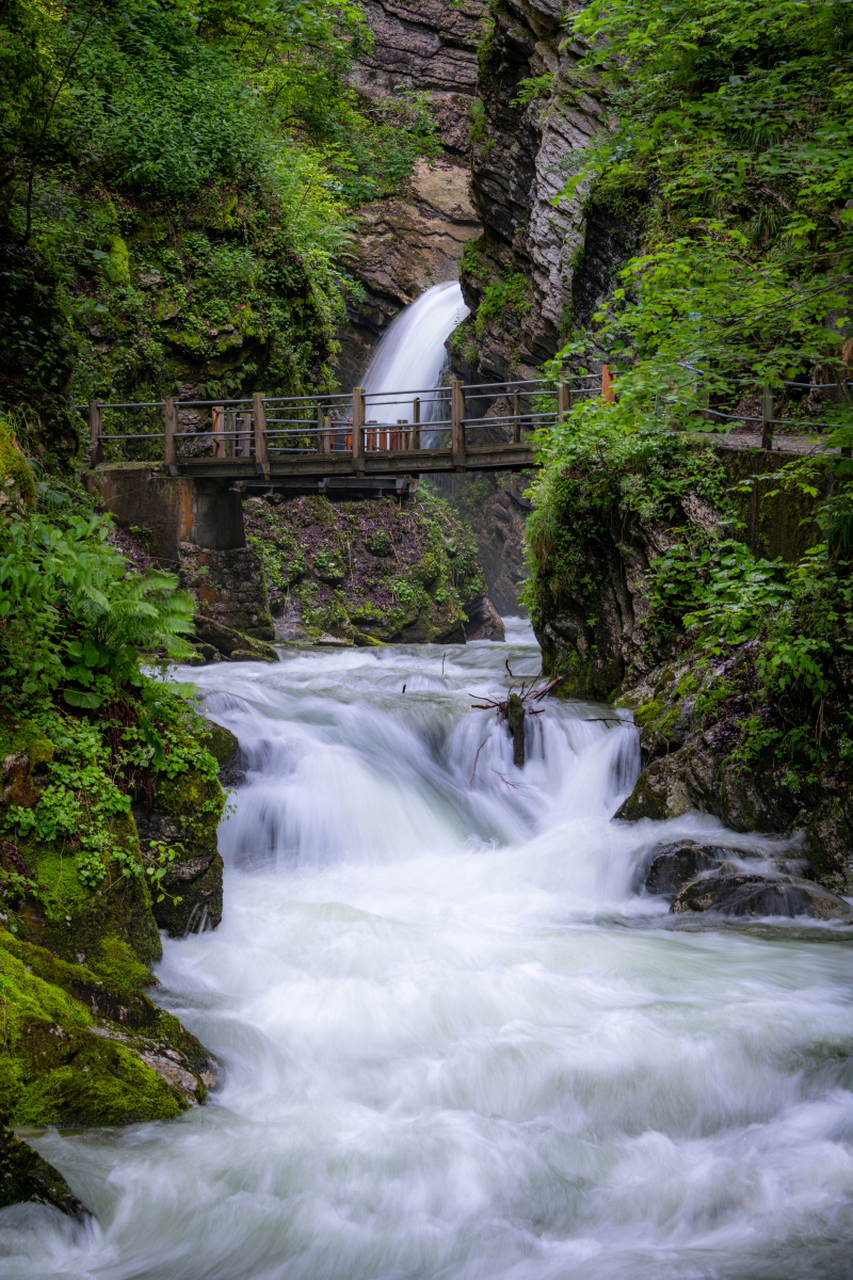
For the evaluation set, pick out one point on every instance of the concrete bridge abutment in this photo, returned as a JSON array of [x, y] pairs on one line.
[[168, 510]]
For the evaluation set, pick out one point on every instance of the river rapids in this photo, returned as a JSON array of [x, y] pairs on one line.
[[459, 1043]]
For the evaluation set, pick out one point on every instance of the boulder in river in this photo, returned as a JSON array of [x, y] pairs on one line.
[[25, 1178], [674, 865], [741, 893]]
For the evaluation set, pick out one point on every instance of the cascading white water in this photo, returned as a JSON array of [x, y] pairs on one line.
[[411, 354], [459, 1044]]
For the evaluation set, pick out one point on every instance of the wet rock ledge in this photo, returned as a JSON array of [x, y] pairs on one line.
[[368, 573], [737, 883], [689, 764]]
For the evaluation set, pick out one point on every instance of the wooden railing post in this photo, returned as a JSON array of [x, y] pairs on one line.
[[321, 440], [608, 395], [96, 444], [416, 420], [457, 425], [170, 425], [516, 418], [218, 415], [846, 450], [259, 413], [767, 418], [563, 401], [358, 429]]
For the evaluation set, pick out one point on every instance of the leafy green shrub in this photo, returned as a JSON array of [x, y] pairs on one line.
[[73, 618], [507, 294]]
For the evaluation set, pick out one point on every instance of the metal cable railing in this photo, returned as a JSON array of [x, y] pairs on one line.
[[258, 429]]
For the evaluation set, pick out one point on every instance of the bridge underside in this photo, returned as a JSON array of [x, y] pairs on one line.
[[317, 466]]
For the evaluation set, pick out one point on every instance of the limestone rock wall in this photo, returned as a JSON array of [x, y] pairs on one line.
[[404, 246], [523, 153], [426, 45]]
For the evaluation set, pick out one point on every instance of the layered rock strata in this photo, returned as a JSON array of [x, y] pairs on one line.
[[533, 120], [404, 245], [425, 46]]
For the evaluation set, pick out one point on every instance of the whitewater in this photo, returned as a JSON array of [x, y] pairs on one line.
[[458, 1041]]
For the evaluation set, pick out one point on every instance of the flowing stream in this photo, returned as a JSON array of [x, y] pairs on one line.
[[459, 1043], [412, 355]]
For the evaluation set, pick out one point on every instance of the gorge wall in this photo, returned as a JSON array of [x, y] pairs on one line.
[[543, 261], [408, 242]]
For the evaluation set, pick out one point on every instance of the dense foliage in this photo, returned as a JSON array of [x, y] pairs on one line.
[[727, 138], [77, 627], [175, 182]]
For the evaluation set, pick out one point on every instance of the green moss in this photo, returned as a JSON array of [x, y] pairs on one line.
[[59, 1069], [660, 718], [118, 262], [74, 1037], [220, 742], [119, 966], [16, 478]]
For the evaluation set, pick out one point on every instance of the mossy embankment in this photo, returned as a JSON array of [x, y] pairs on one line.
[[649, 588], [82, 904], [109, 805], [367, 572]]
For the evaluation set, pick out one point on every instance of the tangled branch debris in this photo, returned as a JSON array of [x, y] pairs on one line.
[[513, 711]]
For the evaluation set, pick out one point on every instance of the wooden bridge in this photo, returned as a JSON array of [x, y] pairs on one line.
[[353, 440]]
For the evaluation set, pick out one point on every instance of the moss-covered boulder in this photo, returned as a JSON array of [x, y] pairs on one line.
[[178, 823], [363, 572], [17, 485], [83, 1051], [79, 892], [26, 1178]]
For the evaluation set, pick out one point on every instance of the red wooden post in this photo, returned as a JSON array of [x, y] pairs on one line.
[[357, 436]]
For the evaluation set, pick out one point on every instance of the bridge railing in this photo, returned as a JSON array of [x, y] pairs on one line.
[[260, 429]]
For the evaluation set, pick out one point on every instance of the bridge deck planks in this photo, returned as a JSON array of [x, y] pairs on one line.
[[501, 457]]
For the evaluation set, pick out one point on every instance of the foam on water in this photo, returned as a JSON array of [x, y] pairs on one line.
[[459, 1044]]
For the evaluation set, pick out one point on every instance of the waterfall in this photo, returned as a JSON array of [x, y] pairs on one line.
[[411, 355], [458, 1043]]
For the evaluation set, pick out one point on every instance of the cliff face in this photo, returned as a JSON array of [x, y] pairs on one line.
[[531, 121], [405, 245], [426, 46], [414, 240]]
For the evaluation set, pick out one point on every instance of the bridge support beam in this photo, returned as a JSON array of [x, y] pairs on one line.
[[168, 510]]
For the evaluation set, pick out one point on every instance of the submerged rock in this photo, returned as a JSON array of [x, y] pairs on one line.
[[25, 1178], [739, 893], [675, 865]]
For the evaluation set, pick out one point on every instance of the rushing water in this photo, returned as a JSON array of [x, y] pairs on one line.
[[412, 354], [459, 1044]]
